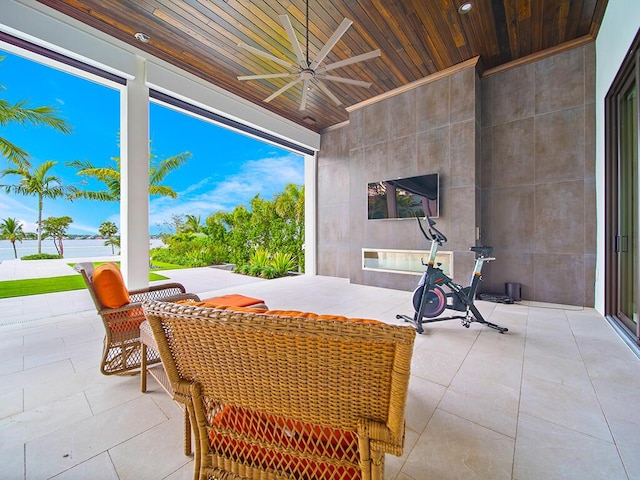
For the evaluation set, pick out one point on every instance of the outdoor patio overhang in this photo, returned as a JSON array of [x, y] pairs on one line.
[[550, 398], [140, 73]]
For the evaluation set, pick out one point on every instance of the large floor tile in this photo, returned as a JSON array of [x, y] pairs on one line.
[[164, 441], [422, 400], [571, 407], [12, 461], [455, 448], [548, 451], [490, 404], [183, 473], [11, 403], [45, 419], [79, 441], [99, 467]]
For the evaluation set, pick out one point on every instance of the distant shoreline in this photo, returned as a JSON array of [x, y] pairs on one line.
[[73, 248]]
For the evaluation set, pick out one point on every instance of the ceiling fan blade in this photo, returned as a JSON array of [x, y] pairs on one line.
[[333, 78], [282, 90], [294, 40], [305, 94], [346, 23], [273, 58], [348, 61], [326, 90], [268, 75]]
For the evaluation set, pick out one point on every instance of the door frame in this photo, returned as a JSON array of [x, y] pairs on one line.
[[629, 69]]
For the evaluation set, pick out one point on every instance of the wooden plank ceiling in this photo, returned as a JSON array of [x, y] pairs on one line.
[[416, 38]]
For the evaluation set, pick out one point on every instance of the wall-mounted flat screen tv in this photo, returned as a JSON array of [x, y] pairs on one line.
[[404, 197]]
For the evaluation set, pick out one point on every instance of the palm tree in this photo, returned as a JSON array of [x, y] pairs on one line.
[[22, 114], [289, 205], [110, 176], [113, 241], [56, 228], [108, 230], [192, 224], [38, 183], [11, 229]]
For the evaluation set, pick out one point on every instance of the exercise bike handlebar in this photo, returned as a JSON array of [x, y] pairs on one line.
[[433, 233]]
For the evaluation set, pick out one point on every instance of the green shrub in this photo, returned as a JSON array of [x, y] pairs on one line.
[[282, 263], [242, 269], [268, 272], [259, 258], [190, 251], [42, 256]]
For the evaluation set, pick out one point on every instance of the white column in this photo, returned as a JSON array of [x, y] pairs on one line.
[[310, 198], [134, 178]]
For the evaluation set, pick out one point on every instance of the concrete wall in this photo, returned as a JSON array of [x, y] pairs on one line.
[[434, 128], [538, 187], [515, 152]]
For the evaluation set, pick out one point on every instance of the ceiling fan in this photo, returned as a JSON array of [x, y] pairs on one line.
[[309, 72]]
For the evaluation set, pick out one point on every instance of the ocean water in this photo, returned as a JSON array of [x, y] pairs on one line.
[[72, 248]]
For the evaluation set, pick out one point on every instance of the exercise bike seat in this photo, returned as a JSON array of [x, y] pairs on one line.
[[483, 251]]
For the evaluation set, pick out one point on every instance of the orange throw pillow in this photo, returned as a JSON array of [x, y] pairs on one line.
[[109, 286]]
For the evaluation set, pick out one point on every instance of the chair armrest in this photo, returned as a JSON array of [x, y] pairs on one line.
[[156, 292], [381, 437], [123, 309], [182, 296]]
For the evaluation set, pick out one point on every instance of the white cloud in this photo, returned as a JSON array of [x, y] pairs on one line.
[[265, 176], [81, 228], [14, 207]]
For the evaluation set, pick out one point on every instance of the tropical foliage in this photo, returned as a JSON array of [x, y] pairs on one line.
[[110, 177], [109, 230], [36, 182], [21, 113], [263, 239], [192, 224], [11, 229], [56, 228]]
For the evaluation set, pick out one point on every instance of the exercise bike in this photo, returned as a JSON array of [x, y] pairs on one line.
[[430, 299]]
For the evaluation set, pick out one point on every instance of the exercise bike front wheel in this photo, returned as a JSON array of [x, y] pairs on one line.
[[434, 299]]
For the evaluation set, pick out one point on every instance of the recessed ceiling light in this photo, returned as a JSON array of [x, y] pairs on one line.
[[465, 7], [143, 37]]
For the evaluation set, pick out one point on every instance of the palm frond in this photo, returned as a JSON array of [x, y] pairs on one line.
[[162, 190], [13, 153], [159, 171], [20, 113]]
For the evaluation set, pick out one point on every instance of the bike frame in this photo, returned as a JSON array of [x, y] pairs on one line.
[[434, 279]]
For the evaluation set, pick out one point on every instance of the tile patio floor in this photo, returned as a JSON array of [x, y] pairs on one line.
[[555, 398]]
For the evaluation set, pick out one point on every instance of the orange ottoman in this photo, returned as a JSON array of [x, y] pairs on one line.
[[235, 300]]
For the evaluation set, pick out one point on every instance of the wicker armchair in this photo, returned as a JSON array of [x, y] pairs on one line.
[[122, 352], [275, 396]]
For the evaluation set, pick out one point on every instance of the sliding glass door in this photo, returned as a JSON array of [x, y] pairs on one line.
[[627, 239], [623, 214]]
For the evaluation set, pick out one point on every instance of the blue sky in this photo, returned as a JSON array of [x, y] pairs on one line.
[[226, 168]]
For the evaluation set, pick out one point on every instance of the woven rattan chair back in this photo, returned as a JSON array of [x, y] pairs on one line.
[[286, 397], [121, 352]]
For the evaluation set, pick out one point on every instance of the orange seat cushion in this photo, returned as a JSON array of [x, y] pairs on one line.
[[127, 321], [270, 434], [109, 286], [315, 316], [280, 313], [233, 300]]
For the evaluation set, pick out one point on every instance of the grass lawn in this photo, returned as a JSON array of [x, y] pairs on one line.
[[37, 286]]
